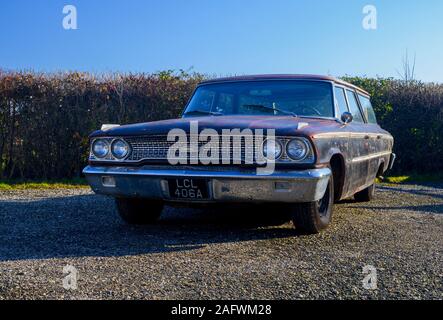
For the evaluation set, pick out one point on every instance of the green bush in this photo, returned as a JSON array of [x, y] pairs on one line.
[[45, 119]]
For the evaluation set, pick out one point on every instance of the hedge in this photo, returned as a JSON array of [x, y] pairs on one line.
[[45, 119], [412, 111]]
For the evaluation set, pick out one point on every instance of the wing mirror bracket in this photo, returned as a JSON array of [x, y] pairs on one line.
[[347, 117]]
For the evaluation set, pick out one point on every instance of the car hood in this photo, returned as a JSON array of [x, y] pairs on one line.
[[283, 125]]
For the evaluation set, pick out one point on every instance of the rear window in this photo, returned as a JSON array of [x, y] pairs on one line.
[[367, 109]]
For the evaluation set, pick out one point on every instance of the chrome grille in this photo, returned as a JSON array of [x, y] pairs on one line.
[[156, 147], [144, 148]]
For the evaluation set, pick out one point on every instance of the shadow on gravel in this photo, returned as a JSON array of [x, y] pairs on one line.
[[89, 225], [413, 191], [425, 209]]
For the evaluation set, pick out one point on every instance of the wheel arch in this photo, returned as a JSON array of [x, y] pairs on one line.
[[337, 163]]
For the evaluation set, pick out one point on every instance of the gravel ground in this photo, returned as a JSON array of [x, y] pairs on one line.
[[220, 254]]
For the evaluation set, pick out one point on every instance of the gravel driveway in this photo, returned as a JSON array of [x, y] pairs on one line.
[[220, 254]]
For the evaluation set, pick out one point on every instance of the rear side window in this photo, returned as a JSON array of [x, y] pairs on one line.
[[340, 100], [367, 109], [353, 106]]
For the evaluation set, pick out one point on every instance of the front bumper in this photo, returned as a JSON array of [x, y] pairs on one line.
[[224, 186]]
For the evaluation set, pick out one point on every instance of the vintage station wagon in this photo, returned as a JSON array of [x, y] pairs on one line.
[[325, 146]]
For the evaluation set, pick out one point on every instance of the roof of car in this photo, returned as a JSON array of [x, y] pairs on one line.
[[259, 77]]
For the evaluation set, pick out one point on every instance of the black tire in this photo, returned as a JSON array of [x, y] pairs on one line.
[[139, 211], [312, 217], [366, 194]]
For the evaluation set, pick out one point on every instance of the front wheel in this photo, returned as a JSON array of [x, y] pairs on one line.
[[139, 211], [312, 217]]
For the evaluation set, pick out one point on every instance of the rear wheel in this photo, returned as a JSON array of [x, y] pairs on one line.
[[312, 217], [366, 194], [139, 211]]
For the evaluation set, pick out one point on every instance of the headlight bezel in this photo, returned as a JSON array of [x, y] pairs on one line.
[[110, 155], [106, 143], [114, 141], [277, 142], [307, 149]]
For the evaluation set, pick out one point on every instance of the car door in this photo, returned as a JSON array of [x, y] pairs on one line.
[[378, 142], [360, 142], [342, 141]]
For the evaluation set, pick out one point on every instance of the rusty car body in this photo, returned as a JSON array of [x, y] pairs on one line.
[[328, 121]]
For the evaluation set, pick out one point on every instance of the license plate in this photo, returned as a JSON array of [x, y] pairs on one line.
[[187, 188]]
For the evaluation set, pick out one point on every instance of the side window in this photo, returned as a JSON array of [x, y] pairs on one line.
[[340, 100], [367, 109], [353, 106]]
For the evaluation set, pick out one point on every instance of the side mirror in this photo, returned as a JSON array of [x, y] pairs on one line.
[[347, 117]]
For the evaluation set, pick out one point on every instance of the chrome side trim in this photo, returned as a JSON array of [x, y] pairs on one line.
[[355, 135], [371, 156]]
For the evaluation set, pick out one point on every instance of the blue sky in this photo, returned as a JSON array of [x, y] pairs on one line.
[[224, 37]]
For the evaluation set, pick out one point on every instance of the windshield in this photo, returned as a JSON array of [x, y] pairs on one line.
[[276, 97]]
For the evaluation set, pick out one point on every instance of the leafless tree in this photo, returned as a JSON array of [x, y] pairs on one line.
[[407, 74]]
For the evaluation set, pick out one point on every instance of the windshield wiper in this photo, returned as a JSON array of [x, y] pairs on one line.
[[213, 113], [273, 108]]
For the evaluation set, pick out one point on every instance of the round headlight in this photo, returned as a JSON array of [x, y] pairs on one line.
[[297, 149], [120, 149], [100, 148], [272, 149]]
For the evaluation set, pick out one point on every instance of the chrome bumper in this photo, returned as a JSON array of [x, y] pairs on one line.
[[224, 186]]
